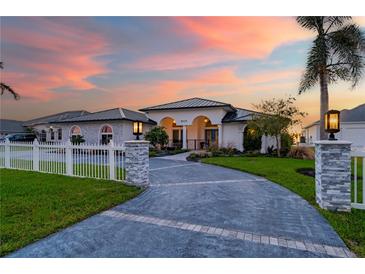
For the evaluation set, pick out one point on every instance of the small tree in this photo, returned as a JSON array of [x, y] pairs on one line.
[[4, 87], [157, 136], [275, 118], [77, 139]]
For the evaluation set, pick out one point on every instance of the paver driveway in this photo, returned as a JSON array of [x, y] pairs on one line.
[[198, 210]]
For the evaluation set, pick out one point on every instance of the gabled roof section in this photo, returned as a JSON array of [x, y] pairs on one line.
[[111, 114], [354, 115], [189, 103], [11, 126], [239, 115], [55, 117]]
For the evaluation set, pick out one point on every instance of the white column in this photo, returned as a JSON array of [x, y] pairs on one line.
[[220, 136], [69, 159], [7, 153], [184, 138], [35, 155]]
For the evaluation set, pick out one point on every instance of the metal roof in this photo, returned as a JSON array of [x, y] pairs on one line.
[[189, 103], [11, 126], [55, 117], [356, 114], [239, 115], [111, 114]]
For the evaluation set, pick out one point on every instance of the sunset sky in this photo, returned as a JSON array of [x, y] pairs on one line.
[[95, 63]]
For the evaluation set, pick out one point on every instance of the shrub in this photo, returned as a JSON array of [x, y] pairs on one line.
[[157, 136], [77, 139], [298, 152]]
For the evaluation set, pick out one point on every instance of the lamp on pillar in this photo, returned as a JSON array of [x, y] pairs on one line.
[[137, 129], [332, 123]]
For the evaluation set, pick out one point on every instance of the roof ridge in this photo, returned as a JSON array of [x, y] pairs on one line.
[[122, 112]]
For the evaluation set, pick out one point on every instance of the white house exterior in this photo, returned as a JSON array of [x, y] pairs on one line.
[[196, 123], [352, 127], [193, 124]]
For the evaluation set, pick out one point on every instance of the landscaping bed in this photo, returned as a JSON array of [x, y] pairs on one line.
[[34, 205], [283, 171]]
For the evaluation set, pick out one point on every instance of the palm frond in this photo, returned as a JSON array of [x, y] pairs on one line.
[[4, 87]]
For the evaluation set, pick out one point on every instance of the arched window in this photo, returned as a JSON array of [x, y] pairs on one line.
[[43, 136], [75, 131], [106, 134], [51, 132]]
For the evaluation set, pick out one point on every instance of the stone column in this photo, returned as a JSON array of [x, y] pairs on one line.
[[137, 162], [333, 175], [184, 144]]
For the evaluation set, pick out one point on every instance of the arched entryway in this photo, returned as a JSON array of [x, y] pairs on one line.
[[202, 133], [174, 131], [251, 140]]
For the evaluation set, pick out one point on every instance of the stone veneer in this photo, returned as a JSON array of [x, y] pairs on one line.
[[333, 175], [137, 162]]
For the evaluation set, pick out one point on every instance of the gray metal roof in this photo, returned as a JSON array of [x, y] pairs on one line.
[[11, 126], [189, 103], [55, 117], [239, 115], [356, 114], [111, 114]]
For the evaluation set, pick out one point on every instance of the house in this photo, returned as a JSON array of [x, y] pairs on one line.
[[100, 127], [193, 123], [196, 123], [352, 127], [10, 127]]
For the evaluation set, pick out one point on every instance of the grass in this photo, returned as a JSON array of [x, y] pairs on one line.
[[34, 205], [350, 226]]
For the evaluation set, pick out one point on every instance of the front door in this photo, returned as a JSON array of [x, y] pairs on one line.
[[211, 136], [177, 137]]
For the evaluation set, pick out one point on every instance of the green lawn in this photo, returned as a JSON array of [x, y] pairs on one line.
[[350, 226], [34, 205]]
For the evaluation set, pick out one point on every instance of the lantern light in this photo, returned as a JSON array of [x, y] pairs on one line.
[[206, 120], [332, 123], [137, 129]]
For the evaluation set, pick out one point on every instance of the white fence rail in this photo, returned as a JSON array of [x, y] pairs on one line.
[[358, 186], [91, 161]]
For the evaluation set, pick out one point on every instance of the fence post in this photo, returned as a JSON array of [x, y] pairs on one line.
[[69, 160], [137, 162], [111, 160], [333, 175], [7, 153], [35, 155]]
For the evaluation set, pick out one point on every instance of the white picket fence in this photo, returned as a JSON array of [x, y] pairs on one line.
[[84, 160], [358, 202]]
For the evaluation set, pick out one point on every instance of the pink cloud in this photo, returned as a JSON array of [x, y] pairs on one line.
[[71, 52], [224, 39]]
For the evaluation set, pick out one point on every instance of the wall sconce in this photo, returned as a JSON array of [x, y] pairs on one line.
[[332, 123], [137, 129], [206, 120]]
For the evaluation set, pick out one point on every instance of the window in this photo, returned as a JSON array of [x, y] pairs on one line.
[[211, 136], [75, 130], [59, 133], [43, 136], [51, 131], [176, 135], [106, 133]]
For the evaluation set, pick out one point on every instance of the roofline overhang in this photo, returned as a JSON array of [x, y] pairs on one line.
[[179, 108], [151, 122]]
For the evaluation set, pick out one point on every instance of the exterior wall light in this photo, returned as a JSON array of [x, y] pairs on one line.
[[137, 129], [332, 123], [206, 120]]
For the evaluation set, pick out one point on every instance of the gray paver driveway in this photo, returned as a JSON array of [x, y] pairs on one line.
[[198, 210]]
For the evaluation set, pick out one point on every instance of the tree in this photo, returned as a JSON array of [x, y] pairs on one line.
[[337, 53], [157, 136], [275, 117], [5, 87], [77, 139]]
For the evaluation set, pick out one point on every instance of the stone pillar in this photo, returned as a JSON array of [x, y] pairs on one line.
[[137, 162], [220, 136], [333, 175], [184, 144]]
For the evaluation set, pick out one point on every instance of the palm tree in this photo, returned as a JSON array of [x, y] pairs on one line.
[[4, 87], [337, 53]]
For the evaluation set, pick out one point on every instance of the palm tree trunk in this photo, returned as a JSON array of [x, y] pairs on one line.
[[324, 103]]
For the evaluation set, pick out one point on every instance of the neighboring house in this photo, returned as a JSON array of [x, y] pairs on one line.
[[196, 123], [11, 127], [100, 127], [44, 129], [352, 127]]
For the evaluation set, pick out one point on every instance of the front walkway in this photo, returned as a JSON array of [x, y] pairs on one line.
[[198, 210]]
